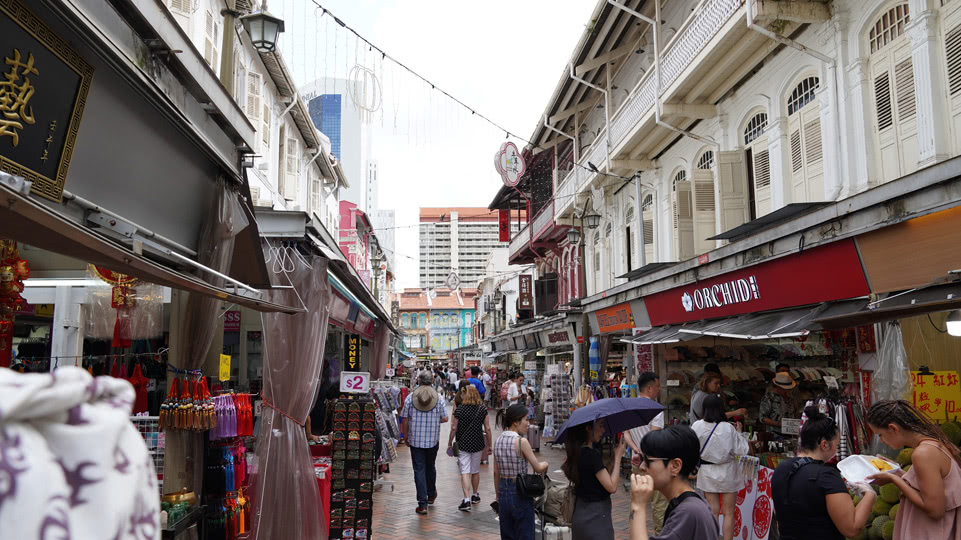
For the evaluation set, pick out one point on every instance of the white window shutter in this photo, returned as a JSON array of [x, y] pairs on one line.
[[265, 135], [254, 105], [882, 101], [797, 159], [292, 170], [240, 78], [952, 53], [181, 7], [904, 89], [762, 177], [209, 38]]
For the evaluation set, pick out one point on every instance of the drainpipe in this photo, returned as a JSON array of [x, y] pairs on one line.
[[831, 64], [607, 110]]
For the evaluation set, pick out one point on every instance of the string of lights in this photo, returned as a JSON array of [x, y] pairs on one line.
[[385, 56]]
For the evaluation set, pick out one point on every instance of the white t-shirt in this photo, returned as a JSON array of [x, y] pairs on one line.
[[452, 376], [487, 380], [639, 432], [513, 393]]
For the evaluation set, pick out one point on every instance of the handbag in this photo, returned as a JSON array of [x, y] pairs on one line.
[[456, 449], [530, 486]]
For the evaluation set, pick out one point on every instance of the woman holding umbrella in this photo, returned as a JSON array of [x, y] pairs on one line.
[[593, 482]]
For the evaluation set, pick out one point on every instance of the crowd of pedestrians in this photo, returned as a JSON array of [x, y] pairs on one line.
[[685, 478]]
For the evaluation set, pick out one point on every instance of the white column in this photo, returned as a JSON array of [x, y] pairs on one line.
[[863, 165], [66, 336], [832, 139], [779, 150], [934, 135]]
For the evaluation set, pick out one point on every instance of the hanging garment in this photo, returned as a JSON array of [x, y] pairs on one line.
[[76, 467], [139, 383]]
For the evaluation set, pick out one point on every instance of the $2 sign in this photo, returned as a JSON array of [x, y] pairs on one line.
[[356, 382]]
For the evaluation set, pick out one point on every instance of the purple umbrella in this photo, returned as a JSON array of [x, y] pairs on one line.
[[615, 414]]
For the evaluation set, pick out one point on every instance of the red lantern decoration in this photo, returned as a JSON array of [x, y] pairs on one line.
[[13, 270], [122, 300]]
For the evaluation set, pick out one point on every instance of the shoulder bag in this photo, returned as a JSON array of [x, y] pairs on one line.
[[530, 486]]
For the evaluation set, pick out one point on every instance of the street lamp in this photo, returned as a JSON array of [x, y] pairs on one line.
[[591, 221], [263, 29]]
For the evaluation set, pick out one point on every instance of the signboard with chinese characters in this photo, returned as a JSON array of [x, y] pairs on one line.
[[526, 295], [224, 371], [614, 318], [43, 90], [353, 352], [937, 394], [510, 164], [504, 225]]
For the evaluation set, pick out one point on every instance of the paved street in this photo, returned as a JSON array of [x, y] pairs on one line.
[[394, 517]]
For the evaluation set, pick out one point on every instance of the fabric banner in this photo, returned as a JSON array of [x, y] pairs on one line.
[[504, 225], [755, 507]]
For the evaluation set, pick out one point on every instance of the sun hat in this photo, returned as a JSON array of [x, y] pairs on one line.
[[424, 398], [785, 381]]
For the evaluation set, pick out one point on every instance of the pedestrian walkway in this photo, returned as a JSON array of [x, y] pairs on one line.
[[394, 517]]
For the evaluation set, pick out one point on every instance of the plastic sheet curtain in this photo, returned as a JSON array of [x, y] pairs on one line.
[[199, 324], [891, 380], [379, 360], [286, 497]]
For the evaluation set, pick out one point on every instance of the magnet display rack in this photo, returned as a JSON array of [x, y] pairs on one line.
[[353, 468]]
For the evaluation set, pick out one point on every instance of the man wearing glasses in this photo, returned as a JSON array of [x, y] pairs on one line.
[[649, 386]]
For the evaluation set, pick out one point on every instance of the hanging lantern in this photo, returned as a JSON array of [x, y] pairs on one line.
[[13, 270], [573, 236], [591, 221], [263, 29]]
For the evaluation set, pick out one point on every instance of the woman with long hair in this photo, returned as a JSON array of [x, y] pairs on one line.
[[593, 482], [718, 476], [468, 426], [810, 497], [930, 504], [512, 454], [669, 457]]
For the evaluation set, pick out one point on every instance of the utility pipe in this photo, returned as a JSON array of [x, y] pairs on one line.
[[607, 109], [832, 73], [88, 205]]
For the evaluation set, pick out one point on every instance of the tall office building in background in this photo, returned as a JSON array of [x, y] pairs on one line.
[[335, 115], [456, 239]]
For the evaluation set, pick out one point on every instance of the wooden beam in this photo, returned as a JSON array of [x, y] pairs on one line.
[[580, 107], [689, 110], [550, 144], [768, 11], [599, 61]]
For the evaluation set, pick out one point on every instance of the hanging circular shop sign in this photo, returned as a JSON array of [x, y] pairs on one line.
[[510, 164], [111, 277]]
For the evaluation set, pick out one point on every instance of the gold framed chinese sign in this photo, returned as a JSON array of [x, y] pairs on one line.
[[43, 90]]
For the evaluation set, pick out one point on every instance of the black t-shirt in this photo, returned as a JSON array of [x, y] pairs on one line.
[[589, 488], [800, 502], [470, 427]]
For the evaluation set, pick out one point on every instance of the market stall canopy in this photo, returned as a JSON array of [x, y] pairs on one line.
[[778, 324], [664, 334], [39, 226], [898, 306]]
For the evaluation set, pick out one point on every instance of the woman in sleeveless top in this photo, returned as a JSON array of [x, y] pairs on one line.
[[930, 504], [512, 453]]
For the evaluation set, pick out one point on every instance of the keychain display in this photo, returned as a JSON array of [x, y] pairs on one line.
[[188, 405], [353, 468]]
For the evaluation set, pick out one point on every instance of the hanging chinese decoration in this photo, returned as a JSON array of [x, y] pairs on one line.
[[13, 270], [122, 300], [188, 405]]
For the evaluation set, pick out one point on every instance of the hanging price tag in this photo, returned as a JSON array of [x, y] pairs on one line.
[[673, 382], [832, 382], [390, 372], [224, 374], [791, 426], [355, 382]]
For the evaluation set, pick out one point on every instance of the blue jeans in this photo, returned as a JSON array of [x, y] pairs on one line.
[[516, 513], [425, 473]]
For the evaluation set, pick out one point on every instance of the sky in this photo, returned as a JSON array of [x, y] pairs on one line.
[[502, 58]]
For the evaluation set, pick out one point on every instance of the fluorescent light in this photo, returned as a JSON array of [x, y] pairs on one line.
[[954, 323], [37, 282]]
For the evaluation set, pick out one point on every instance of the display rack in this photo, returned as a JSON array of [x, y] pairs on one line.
[[354, 467], [149, 429]]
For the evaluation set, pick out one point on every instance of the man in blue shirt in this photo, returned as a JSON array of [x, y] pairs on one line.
[[475, 380]]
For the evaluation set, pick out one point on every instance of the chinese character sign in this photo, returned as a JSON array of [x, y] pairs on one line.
[[43, 90], [504, 225], [612, 319], [937, 393], [526, 297]]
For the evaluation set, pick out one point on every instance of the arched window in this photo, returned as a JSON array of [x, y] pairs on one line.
[[630, 239], [758, 165], [682, 216], [804, 134], [892, 80], [704, 206]]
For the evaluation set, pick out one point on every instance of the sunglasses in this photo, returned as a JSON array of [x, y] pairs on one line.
[[647, 460]]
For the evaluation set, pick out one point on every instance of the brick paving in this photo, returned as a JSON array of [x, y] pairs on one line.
[[394, 517]]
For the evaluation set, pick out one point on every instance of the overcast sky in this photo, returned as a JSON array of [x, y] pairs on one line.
[[503, 58]]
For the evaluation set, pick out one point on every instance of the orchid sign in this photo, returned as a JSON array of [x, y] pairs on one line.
[[510, 164]]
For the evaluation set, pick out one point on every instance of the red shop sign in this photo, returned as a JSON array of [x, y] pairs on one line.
[[612, 319], [831, 272]]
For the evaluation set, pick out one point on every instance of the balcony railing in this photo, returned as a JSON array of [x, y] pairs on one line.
[[520, 240], [544, 220], [699, 29]]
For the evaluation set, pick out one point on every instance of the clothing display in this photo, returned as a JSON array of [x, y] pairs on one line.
[[225, 486]]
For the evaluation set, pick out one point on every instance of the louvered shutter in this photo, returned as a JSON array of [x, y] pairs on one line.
[[683, 223], [180, 7], [813, 152], [762, 176], [648, 216], [316, 198], [704, 204], [211, 51], [265, 130], [254, 104], [732, 188], [240, 78], [291, 170], [952, 57], [892, 76]]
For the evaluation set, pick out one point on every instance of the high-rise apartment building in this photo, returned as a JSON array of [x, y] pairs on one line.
[[456, 240]]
